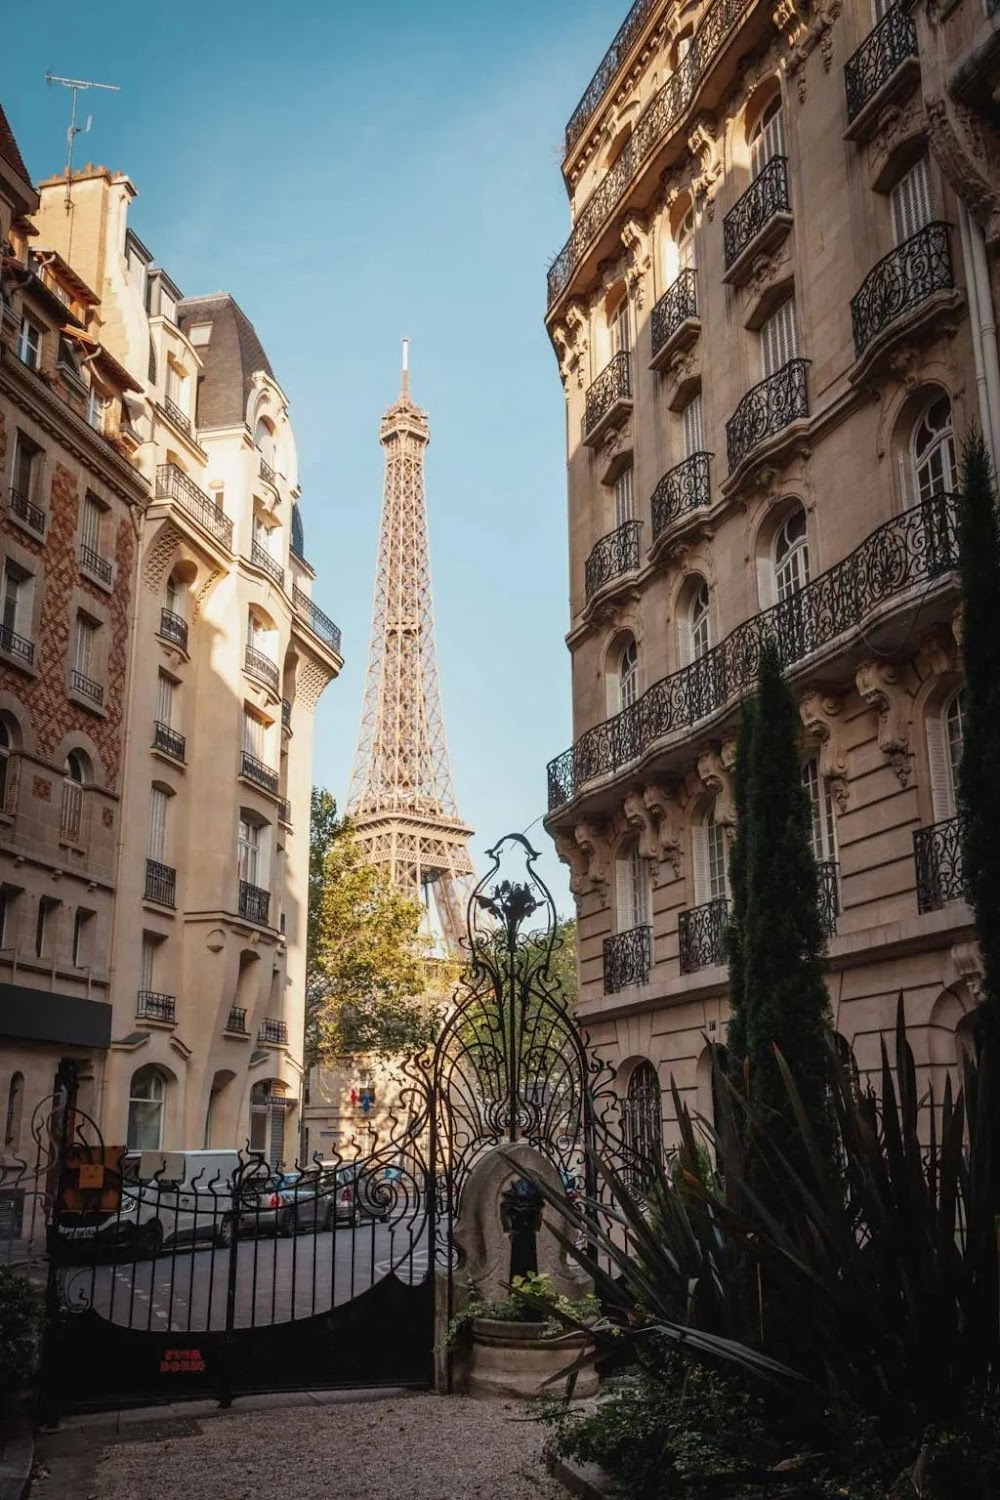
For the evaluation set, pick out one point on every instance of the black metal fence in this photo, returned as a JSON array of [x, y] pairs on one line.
[[628, 958], [685, 487], [937, 853], [883, 50], [766, 196], [615, 554], [768, 407], [613, 385], [678, 305], [703, 935], [901, 281]]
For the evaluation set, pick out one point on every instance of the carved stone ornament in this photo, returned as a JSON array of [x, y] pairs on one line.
[[570, 340], [937, 652], [767, 273], [571, 854], [664, 802], [803, 36], [882, 687], [966, 961], [617, 440], [821, 715], [896, 124], [907, 365], [715, 776], [682, 372], [705, 145], [966, 149], [612, 270], [637, 817], [593, 840], [637, 240]]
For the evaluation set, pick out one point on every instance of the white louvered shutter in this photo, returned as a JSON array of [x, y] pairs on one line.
[[148, 962], [942, 796], [694, 426], [91, 529], [685, 640], [165, 701], [623, 895], [157, 825], [767, 143], [911, 201], [779, 338], [625, 497], [699, 860]]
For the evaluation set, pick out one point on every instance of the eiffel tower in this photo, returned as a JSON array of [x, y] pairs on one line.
[[401, 796]]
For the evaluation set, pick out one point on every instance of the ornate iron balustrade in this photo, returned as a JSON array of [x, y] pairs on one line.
[[883, 50], [685, 487], [286, 713], [766, 408], [261, 558], [937, 853], [236, 1021], [285, 812], [86, 686], [174, 628], [172, 484], [828, 871], [613, 384], [319, 623], [614, 554], [266, 472], [16, 645], [703, 933], [168, 740], [766, 196], [610, 62], [256, 771], [97, 566], [628, 958], [678, 303], [262, 667], [161, 883], [913, 548], [151, 1006], [32, 515], [254, 903], [663, 113], [275, 1032], [901, 280], [177, 416]]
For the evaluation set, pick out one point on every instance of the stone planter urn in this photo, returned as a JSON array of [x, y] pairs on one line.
[[517, 1359]]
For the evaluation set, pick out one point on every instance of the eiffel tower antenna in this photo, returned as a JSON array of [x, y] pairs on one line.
[[401, 795]]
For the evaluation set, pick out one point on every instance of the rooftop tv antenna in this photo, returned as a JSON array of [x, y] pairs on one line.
[[75, 85]]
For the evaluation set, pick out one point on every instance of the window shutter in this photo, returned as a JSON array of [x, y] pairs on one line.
[[911, 201], [699, 857], [91, 524], [624, 497], [148, 952], [779, 338], [623, 895], [84, 647], [165, 701], [685, 639], [942, 796], [157, 825], [694, 429]]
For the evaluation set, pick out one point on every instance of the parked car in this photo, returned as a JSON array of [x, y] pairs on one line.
[[352, 1193], [284, 1203], [168, 1198]]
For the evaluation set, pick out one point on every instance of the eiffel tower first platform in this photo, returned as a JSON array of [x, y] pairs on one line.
[[401, 797]]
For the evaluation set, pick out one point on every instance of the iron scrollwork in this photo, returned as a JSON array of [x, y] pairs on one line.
[[613, 555], [703, 933], [766, 196], [683, 488], [767, 408], [883, 50], [678, 304], [828, 872], [901, 280], [594, 92], [937, 853], [614, 384], [627, 958]]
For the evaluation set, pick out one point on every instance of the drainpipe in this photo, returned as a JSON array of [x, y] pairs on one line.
[[983, 330]]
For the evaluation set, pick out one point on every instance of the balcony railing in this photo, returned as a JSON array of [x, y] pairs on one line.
[[627, 959], [766, 196], [614, 554], [767, 408], [677, 305], [254, 903], [883, 50], [614, 384], [256, 771], [16, 645], [900, 281], [683, 488], [286, 713], [168, 740], [161, 883], [262, 667], [273, 1032], [154, 1007], [703, 934], [177, 416], [266, 472], [937, 853], [828, 871], [911, 549], [236, 1021], [32, 515], [86, 686], [662, 115], [285, 812], [261, 558], [172, 484], [319, 623], [174, 628], [598, 85], [97, 566]]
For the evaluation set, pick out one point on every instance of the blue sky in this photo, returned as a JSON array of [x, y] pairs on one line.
[[353, 173]]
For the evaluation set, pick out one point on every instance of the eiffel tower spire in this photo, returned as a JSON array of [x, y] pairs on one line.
[[401, 795]]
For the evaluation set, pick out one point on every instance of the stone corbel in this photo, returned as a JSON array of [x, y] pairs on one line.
[[637, 816], [636, 239], [965, 148], [937, 652], [803, 36], [571, 854], [821, 715], [569, 338], [881, 686], [704, 145], [665, 804], [716, 775], [966, 963], [593, 840]]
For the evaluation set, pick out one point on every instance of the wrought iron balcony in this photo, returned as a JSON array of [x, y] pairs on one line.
[[596, 88], [161, 883], [901, 281], [254, 903], [169, 741], [767, 408], [266, 472], [937, 853], [911, 549], [628, 958], [16, 645], [151, 1006], [32, 515], [610, 391], [256, 771], [177, 416], [97, 566], [703, 933], [236, 1021], [273, 1032], [319, 623], [86, 687], [262, 667], [766, 196], [173, 484], [684, 488], [885, 49], [261, 558], [284, 812], [286, 713], [614, 554], [662, 115], [828, 871], [678, 306], [174, 628]]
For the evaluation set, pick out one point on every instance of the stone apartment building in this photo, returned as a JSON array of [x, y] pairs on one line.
[[775, 320], [72, 501]]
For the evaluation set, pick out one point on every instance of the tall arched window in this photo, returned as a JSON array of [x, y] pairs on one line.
[[628, 675], [944, 754], [711, 859], [5, 752], [15, 1105], [684, 241], [700, 638], [146, 1098], [620, 328], [791, 556], [823, 828], [932, 450], [71, 810], [642, 1117], [767, 136]]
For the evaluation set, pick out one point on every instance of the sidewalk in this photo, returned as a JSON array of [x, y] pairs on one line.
[[357, 1445]]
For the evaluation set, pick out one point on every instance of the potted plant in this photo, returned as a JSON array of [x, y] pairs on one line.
[[529, 1343]]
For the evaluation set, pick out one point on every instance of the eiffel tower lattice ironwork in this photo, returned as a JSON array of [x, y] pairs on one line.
[[401, 797]]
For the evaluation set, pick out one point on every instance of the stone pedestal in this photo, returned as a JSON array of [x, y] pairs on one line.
[[516, 1359]]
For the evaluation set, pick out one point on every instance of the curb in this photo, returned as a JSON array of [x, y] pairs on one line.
[[585, 1481], [17, 1455], [118, 1423]]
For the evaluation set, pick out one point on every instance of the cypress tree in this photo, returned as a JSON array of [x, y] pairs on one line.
[[736, 1037]]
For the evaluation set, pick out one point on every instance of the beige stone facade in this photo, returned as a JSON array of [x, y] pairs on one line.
[[774, 320]]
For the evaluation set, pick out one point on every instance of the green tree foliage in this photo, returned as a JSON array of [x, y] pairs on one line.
[[738, 885], [366, 975]]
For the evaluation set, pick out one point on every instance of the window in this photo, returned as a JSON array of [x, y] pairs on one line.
[[90, 528], [7, 898], [633, 904], [253, 735], [823, 829], [29, 344], [147, 963], [620, 328], [779, 340], [147, 1093], [791, 556], [71, 810], [699, 623], [643, 1117], [158, 800], [165, 696], [684, 240], [625, 496], [176, 388], [248, 853], [694, 426], [267, 1121], [82, 929], [5, 754], [711, 860], [767, 137], [42, 925], [15, 604], [85, 654], [944, 755], [628, 675], [15, 1105], [910, 201], [96, 406], [933, 450], [27, 462], [173, 598]]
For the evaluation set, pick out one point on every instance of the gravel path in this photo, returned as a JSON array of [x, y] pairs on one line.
[[414, 1448]]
